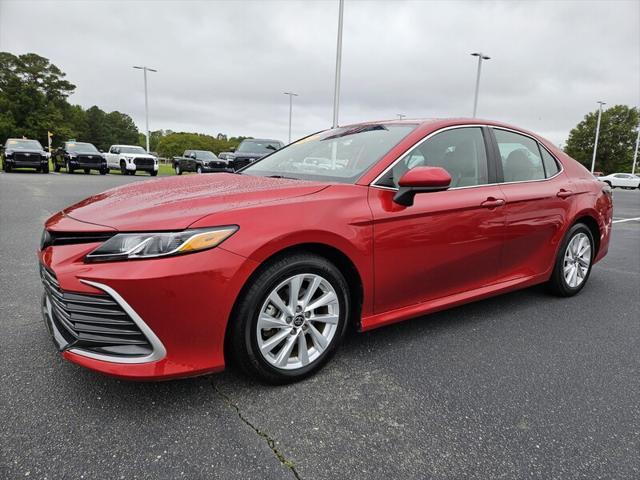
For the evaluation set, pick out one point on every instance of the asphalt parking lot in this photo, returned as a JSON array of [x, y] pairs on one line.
[[524, 385]]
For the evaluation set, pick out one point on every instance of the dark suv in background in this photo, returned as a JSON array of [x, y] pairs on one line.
[[79, 156], [249, 151], [200, 161], [24, 153]]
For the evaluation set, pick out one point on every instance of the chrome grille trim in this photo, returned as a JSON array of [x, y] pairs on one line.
[[92, 325]]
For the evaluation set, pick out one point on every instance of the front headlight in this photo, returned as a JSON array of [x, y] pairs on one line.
[[131, 246]]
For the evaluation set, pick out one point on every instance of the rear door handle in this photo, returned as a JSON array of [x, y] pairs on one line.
[[492, 202], [562, 193]]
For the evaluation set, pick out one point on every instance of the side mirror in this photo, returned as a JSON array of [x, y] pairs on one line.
[[420, 180]]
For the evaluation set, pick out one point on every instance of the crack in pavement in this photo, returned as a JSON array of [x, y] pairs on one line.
[[270, 441]]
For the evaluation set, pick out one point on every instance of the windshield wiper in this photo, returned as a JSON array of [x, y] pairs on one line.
[[282, 176]]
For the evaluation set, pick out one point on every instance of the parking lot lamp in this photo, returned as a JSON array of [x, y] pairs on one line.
[[481, 57], [595, 145], [146, 99], [291, 95], [635, 154], [336, 89]]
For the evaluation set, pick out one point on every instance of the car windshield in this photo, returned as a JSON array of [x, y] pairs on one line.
[[132, 150], [81, 147], [338, 155], [16, 144], [258, 146], [205, 155]]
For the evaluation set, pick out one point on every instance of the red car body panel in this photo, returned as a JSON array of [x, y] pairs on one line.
[[446, 249]]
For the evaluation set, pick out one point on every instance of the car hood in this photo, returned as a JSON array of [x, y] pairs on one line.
[[23, 150], [177, 202], [137, 155], [248, 155]]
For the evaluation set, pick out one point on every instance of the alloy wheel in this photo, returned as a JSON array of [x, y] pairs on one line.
[[298, 321], [577, 259]]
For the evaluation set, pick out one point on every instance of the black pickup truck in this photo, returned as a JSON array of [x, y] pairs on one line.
[[250, 150], [200, 161], [79, 156], [24, 153]]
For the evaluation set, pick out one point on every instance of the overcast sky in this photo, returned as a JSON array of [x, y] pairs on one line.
[[222, 66]]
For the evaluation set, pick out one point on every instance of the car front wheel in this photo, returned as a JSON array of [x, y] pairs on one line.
[[573, 264], [178, 170], [291, 319]]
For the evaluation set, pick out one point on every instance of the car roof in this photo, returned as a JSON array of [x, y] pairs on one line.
[[432, 124]]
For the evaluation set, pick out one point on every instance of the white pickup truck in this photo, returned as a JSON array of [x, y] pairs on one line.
[[131, 158]]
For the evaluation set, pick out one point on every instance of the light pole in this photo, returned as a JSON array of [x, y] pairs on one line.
[[481, 57], [595, 145], [336, 88], [146, 99], [401, 116], [635, 154], [291, 95]]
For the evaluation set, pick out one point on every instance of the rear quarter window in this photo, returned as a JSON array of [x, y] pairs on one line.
[[551, 166]]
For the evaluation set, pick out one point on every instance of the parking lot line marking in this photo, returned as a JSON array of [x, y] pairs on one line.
[[626, 220]]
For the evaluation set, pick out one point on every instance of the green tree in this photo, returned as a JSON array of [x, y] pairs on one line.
[[175, 144], [616, 143], [33, 94]]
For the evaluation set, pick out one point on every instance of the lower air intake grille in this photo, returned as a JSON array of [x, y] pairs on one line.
[[95, 323]]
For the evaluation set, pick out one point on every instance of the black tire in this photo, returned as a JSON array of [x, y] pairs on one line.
[[104, 171], [45, 169], [558, 284], [39, 170], [153, 173], [56, 167], [199, 169], [68, 167], [178, 170], [242, 338], [123, 168], [7, 167], [87, 170]]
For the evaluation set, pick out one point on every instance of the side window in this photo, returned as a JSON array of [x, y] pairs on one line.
[[550, 164], [520, 157], [460, 151]]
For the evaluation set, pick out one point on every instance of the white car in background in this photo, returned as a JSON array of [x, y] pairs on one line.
[[130, 159], [622, 180]]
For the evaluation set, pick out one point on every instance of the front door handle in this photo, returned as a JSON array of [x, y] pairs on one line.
[[492, 202], [562, 193]]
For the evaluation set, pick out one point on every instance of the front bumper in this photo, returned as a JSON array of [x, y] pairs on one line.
[[21, 163], [184, 302]]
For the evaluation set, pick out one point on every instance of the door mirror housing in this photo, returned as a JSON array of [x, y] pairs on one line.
[[421, 180]]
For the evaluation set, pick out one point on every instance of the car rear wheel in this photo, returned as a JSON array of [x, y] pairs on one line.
[[574, 261], [291, 319]]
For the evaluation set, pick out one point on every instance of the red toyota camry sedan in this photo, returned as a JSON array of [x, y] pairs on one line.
[[359, 226]]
